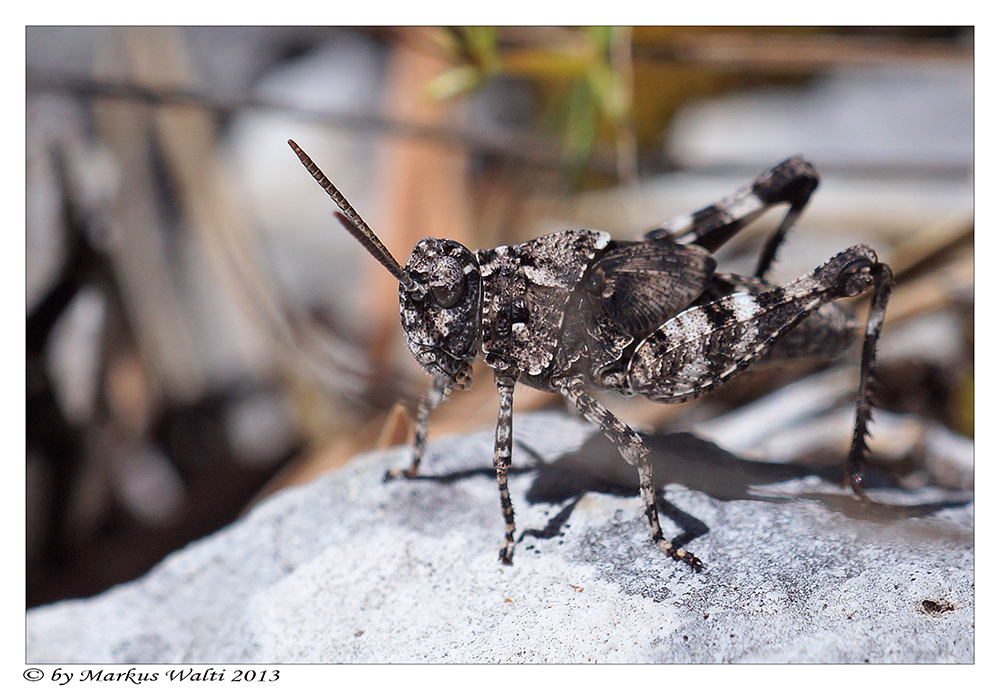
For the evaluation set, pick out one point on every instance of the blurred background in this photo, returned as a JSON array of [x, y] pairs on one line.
[[201, 332]]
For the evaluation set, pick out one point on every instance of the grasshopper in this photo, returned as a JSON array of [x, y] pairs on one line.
[[575, 310]]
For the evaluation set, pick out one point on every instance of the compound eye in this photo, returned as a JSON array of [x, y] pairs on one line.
[[447, 282]]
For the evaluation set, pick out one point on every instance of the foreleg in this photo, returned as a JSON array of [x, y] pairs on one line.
[[438, 393]]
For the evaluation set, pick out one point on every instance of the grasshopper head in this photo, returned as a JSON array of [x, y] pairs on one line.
[[440, 310], [439, 290]]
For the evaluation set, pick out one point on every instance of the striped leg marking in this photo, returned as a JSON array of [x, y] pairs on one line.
[[501, 462], [437, 394], [635, 452], [704, 346], [791, 182]]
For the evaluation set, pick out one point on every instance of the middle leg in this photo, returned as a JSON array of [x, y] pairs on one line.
[[502, 445], [635, 452]]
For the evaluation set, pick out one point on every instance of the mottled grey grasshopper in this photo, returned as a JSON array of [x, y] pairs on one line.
[[575, 310]]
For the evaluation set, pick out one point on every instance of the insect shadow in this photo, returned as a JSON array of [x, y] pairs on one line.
[[691, 461], [698, 464]]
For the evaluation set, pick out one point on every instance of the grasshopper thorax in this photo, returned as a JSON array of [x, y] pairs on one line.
[[440, 307]]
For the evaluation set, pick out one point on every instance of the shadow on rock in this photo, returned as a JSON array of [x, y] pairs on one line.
[[683, 458]]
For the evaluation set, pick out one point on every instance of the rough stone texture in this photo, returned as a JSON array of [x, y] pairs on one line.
[[351, 569]]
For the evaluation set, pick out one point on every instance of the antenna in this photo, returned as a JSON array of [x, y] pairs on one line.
[[352, 220]]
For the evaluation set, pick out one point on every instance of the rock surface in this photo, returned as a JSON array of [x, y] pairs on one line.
[[351, 569]]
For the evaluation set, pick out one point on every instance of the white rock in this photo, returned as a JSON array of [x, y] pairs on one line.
[[351, 569]]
